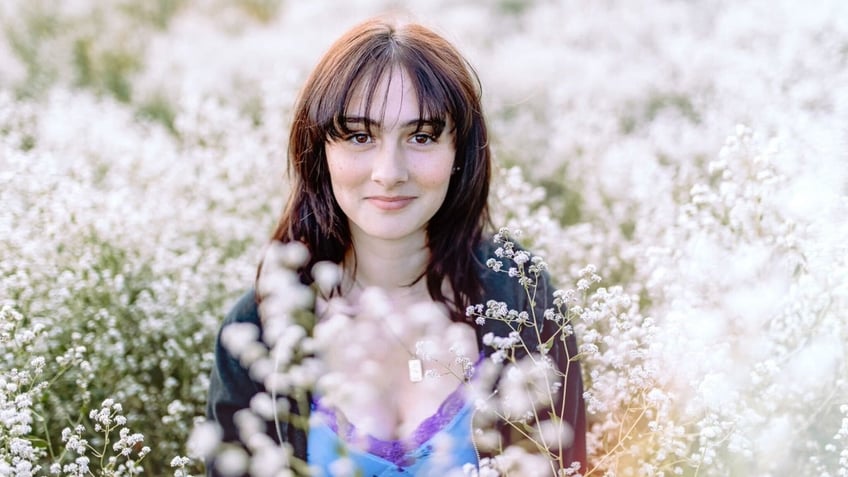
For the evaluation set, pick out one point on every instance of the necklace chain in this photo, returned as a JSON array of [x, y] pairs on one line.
[[415, 367]]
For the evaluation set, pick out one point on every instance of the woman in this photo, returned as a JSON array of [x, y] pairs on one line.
[[390, 167]]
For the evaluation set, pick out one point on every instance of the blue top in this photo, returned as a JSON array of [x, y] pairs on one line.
[[441, 443]]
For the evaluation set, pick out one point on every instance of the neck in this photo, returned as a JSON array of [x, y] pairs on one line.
[[392, 265]]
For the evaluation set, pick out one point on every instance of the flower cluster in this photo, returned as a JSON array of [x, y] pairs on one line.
[[120, 458], [28, 452], [102, 279], [20, 390], [615, 348]]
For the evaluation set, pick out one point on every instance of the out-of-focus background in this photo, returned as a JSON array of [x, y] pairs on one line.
[[694, 152]]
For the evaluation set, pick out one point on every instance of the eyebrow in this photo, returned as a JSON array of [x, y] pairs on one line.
[[436, 123]]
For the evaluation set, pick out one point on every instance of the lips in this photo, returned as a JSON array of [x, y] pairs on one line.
[[390, 202]]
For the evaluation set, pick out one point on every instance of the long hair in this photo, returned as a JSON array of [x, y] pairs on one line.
[[446, 86]]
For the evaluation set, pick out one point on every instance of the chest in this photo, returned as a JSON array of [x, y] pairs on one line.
[[387, 375]]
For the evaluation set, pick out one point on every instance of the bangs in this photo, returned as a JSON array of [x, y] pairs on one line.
[[435, 103]]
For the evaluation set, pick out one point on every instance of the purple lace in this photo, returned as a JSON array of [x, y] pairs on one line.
[[396, 451]]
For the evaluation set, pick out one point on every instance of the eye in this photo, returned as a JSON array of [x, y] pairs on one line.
[[358, 138], [423, 138]]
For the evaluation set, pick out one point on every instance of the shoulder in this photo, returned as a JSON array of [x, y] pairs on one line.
[[493, 281], [244, 310], [498, 284], [510, 296]]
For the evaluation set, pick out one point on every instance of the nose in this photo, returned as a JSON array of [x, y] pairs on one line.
[[389, 165]]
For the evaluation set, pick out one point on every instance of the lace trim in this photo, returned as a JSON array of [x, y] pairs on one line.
[[399, 451]]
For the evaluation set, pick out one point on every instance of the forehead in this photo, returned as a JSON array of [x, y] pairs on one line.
[[392, 92]]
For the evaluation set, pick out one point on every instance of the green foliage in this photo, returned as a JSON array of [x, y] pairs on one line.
[[101, 47], [159, 109], [28, 35], [514, 7], [262, 10], [645, 111], [564, 198], [105, 71], [157, 13]]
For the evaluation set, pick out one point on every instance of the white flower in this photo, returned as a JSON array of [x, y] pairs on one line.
[[343, 467], [488, 338], [237, 337], [521, 257], [327, 275], [204, 439], [232, 461]]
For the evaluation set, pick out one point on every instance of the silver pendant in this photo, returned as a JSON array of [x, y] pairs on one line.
[[416, 371]]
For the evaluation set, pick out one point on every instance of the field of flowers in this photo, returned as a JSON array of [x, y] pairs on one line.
[[692, 152]]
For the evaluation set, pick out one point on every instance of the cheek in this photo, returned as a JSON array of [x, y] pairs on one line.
[[342, 171], [337, 174], [439, 178], [436, 173]]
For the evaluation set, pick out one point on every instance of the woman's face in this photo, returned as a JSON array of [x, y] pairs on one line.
[[391, 182]]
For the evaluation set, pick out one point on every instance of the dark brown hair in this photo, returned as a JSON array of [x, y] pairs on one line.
[[446, 86]]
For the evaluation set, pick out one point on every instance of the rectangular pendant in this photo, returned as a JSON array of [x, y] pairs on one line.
[[416, 371]]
